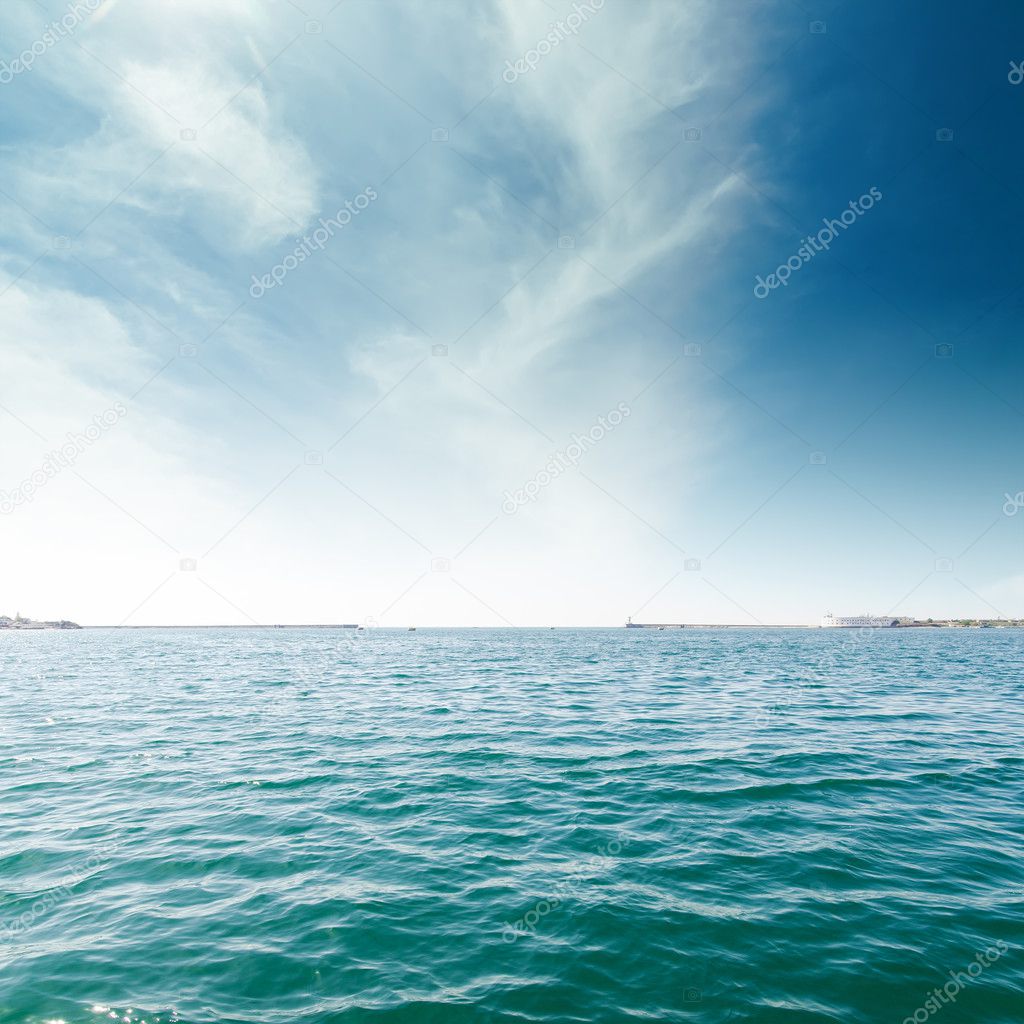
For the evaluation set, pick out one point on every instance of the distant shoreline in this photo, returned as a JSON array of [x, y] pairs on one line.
[[18, 623], [944, 624]]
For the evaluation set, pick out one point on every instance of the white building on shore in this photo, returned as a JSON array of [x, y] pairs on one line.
[[831, 621]]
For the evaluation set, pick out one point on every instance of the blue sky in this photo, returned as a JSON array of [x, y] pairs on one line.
[[536, 253]]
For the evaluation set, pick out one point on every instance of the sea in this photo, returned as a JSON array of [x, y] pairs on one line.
[[301, 826]]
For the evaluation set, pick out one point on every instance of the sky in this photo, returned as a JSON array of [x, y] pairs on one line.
[[432, 312]]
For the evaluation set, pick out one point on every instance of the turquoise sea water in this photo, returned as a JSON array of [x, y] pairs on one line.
[[524, 826]]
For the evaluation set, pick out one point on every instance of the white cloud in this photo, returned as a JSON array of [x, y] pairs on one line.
[[252, 176], [436, 455], [246, 180]]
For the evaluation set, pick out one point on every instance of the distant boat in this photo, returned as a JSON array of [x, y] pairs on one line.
[[412, 629]]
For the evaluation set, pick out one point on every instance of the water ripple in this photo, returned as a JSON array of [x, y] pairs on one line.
[[532, 826]]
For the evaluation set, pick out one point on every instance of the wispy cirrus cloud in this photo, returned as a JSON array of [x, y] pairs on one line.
[[539, 250], [211, 162]]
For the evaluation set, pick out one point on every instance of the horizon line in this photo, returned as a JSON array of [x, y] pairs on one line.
[[356, 628]]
